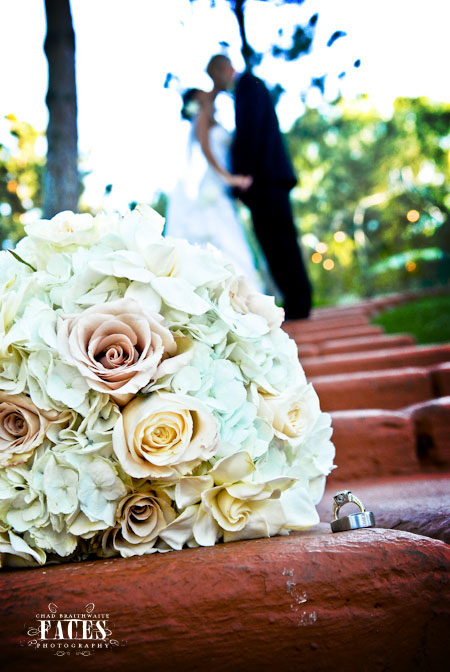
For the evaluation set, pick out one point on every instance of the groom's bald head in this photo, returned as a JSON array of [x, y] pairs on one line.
[[221, 71]]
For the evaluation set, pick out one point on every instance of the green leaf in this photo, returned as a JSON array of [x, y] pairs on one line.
[[22, 261]]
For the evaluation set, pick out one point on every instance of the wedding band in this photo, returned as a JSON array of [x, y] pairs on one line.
[[353, 521]]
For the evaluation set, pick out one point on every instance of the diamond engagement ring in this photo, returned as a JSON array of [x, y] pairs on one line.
[[354, 520]]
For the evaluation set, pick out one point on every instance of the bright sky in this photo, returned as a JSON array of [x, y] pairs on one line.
[[130, 133]]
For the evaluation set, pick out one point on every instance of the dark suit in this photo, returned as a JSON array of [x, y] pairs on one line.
[[258, 150]]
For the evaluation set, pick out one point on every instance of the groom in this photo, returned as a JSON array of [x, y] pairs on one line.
[[258, 150]]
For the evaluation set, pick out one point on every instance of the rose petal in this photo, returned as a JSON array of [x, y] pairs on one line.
[[177, 533], [189, 489], [233, 468], [205, 529]]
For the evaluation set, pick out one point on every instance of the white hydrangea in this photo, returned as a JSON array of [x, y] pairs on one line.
[[222, 438]]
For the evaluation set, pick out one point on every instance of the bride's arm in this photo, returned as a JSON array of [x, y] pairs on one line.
[[202, 128]]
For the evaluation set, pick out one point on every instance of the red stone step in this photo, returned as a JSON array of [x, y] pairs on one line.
[[338, 313], [366, 307], [374, 342], [373, 443], [440, 375], [308, 350], [312, 601], [424, 355], [390, 389], [418, 504], [301, 327], [431, 420], [323, 336]]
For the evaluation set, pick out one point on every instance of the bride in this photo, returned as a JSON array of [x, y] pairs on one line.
[[200, 208]]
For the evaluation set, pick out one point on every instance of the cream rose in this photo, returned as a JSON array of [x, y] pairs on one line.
[[231, 504], [164, 435], [22, 428], [245, 299], [253, 507], [141, 516], [292, 414], [246, 311], [117, 347]]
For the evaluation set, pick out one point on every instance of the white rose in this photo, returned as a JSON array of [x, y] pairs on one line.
[[292, 414], [247, 312], [67, 229], [164, 435]]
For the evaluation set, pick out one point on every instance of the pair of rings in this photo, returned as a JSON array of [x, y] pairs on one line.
[[354, 520]]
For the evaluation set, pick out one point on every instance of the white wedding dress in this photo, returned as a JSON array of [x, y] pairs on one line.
[[201, 210]]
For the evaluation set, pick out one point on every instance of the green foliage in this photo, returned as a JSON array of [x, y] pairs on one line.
[[381, 187], [427, 319], [21, 171], [160, 204]]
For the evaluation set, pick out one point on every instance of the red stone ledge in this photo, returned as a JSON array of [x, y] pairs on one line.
[[308, 350], [344, 331], [441, 379], [373, 443], [309, 328], [389, 389], [326, 313], [431, 421], [369, 599], [375, 342], [382, 443], [424, 355]]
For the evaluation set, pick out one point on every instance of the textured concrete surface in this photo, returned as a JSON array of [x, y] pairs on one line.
[[366, 600], [418, 504], [388, 389]]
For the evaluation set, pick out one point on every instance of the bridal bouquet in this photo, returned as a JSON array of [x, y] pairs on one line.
[[148, 398]]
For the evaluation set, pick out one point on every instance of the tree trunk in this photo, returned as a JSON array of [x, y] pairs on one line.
[[61, 179], [246, 50]]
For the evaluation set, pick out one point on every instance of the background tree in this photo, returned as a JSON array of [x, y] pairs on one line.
[[373, 198], [21, 170], [61, 179], [301, 41]]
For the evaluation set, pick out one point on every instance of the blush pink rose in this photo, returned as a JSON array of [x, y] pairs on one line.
[[22, 428], [117, 347]]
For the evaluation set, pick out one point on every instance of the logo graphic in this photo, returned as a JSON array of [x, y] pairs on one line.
[[65, 634]]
